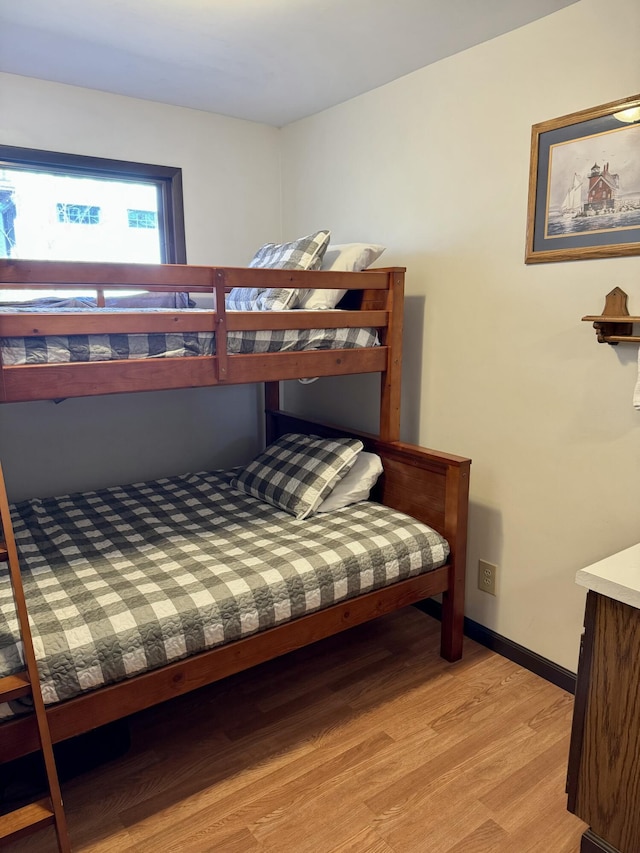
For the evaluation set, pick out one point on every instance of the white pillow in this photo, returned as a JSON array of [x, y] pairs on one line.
[[343, 257], [356, 483]]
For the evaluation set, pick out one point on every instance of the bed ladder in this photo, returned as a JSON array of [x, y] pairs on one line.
[[48, 811]]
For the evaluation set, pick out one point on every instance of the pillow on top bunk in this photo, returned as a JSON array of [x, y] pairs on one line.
[[356, 485], [344, 257], [306, 253], [297, 472]]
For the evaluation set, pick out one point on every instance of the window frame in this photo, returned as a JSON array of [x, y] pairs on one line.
[[168, 180]]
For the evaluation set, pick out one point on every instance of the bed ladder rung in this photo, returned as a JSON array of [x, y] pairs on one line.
[[25, 820], [14, 686], [4, 554]]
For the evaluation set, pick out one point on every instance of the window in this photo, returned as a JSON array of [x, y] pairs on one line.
[[67, 207], [142, 218], [81, 214]]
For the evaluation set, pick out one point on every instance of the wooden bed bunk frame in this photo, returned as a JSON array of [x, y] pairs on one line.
[[376, 297], [429, 485]]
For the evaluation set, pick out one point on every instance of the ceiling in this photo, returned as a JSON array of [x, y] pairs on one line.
[[271, 61]]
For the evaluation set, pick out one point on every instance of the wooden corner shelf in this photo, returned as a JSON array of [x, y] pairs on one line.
[[615, 324]]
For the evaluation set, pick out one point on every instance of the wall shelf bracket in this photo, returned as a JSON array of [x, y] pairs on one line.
[[615, 324]]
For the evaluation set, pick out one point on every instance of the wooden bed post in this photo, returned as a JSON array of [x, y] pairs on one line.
[[3, 390], [271, 404], [455, 532], [218, 285], [391, 379]]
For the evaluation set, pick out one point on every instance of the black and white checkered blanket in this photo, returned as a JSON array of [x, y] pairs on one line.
[[300, 339], [129, 578], [58, 349]]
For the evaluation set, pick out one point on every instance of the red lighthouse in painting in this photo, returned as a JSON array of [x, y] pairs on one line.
[[603, 189]]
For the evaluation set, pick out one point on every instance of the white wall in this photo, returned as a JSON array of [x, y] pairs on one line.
[[231, 181], [498, 365]]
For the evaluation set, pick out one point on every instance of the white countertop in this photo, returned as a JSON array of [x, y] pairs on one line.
[[616, 577]]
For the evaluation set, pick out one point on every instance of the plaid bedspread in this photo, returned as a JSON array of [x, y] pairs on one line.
[[127, 579], [59, 349]]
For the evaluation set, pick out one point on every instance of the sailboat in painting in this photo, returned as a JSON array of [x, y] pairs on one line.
[[572, 202]]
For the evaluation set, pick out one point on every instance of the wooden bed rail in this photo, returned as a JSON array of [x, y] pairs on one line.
[[374, 300], [176, 277], [88, 711]]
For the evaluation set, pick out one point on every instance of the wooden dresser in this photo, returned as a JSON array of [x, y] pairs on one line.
[[603, 780]]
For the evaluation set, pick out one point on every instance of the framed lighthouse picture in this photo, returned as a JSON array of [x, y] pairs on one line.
[[584, 185]]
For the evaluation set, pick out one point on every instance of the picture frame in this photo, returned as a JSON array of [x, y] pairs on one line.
[[584, 185]]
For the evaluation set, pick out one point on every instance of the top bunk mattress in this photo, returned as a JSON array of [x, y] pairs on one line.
[[60, 349], [127, 579]]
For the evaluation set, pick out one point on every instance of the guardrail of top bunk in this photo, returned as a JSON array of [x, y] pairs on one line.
[[381, 305], [110, 277]]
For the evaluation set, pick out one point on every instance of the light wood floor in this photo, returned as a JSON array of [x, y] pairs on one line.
[[365, 743]]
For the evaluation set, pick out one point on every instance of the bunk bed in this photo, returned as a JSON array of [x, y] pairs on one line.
[[430, 487]]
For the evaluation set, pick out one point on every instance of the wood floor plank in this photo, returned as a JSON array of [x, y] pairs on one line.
[[366, 743], [201, 840], [545, 796], [484, 839], [562, 830], [333, 822], [265, 806], [366, 841], [455, 749], [246, 779], [510, 792], [443, 823], [429, 704]]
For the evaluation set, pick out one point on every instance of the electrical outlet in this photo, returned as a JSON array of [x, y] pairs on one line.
[[487, 577]]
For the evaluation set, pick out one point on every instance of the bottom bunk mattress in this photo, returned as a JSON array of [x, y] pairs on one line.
[[127, 579]]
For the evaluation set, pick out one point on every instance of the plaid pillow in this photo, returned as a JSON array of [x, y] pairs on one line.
[[305, 253], [298, 471]]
